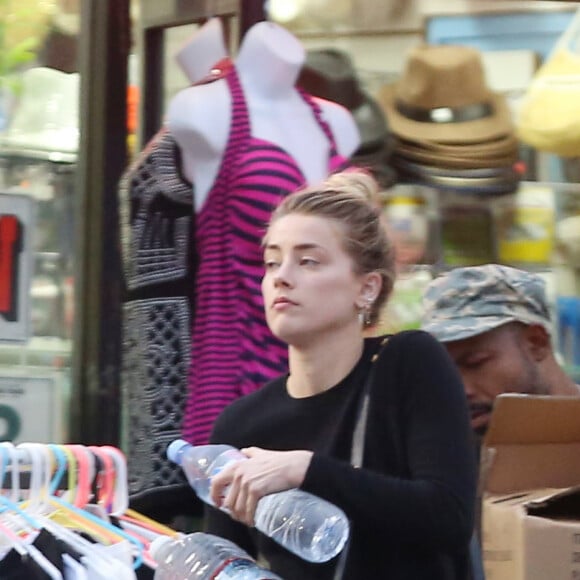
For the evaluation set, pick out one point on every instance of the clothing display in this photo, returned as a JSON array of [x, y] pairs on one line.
[[159, 261], [414, 486], [233, 351], [159, 258]]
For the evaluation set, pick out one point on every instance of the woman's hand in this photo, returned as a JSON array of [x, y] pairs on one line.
[[240, 486]]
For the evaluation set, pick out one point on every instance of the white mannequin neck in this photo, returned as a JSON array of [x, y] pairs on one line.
[[267, 67], [202, 50], [269, 60]]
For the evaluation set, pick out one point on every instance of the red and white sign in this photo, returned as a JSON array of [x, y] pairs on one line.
[[16, 218]]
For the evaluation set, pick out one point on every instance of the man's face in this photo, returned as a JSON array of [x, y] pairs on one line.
[[492, 363]]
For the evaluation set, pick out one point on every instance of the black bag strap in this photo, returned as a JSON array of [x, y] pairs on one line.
[[358, 442]]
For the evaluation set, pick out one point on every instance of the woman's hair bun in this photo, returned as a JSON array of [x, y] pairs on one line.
[[354, 181]]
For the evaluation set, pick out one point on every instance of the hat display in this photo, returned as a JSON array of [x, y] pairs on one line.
[[442, 96], [448, 123], [484, 181], [329, 74], [468, 158], [46, 121], [466, 302]]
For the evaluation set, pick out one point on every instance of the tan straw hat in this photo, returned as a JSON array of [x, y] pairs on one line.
[[468, 160], [442, 96]]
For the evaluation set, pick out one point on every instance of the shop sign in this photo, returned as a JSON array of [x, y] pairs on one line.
[[30, 409], [16, 219]]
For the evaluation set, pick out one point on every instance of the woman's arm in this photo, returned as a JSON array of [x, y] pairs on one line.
[[433, 503]]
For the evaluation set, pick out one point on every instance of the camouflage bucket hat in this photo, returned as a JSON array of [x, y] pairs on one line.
[[469, 301]]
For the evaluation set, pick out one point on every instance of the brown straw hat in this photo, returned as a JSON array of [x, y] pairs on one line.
[[442, 96], [490, 154]]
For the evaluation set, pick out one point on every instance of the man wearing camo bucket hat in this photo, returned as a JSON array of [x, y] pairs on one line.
[[494, 321]]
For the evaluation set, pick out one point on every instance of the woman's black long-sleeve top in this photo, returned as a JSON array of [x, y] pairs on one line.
[[411, 505]]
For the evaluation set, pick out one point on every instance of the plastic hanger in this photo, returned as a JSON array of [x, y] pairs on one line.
[[10, 508], [72, 471], [120, 501], [105, 478], [17, 542], [155, 527], [12, 465], [85, 548], [94, 525], [33, 462], [85, 473], [44, 507]]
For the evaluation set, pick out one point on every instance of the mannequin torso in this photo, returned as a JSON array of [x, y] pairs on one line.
[[246, 141], [202, 50], [267, 65]]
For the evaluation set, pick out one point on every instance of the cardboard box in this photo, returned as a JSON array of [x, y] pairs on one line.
[[530, 479]]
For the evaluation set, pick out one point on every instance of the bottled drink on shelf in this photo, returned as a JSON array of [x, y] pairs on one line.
[[306, 525]]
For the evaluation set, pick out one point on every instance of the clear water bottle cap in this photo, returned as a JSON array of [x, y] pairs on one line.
[[156, 547], [174, 450]]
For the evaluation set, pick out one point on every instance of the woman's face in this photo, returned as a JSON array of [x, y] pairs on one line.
[[309, 287]]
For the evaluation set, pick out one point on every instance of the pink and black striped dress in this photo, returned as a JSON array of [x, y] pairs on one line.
[[233, 351]]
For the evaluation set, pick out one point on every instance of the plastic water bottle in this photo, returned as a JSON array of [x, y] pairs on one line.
[[306, 525], [202, 556]]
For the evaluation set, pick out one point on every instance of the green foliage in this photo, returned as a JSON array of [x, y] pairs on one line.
[[14, 54]]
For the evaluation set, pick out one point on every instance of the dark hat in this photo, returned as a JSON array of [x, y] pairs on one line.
[[442, 96], [330, 74]]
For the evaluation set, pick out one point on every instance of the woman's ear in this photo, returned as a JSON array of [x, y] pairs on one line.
[[370, 288]]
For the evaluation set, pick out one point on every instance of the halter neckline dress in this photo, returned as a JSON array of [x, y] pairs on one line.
[[233, 351]]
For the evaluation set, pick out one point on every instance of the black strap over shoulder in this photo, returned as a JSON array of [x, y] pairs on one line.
[[358, 441]]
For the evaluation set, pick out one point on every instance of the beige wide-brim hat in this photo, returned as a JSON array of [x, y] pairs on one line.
[[442, 96]]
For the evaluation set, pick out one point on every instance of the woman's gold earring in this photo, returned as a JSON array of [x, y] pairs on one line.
[[367, 313], [364, 314]]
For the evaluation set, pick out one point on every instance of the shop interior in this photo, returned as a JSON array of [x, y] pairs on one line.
[[95, 271]]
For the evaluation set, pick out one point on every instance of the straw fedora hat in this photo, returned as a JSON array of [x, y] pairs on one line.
[[446, 161], [466, 157], [479, 182], [442, 96], [506, 145], [329, 74]]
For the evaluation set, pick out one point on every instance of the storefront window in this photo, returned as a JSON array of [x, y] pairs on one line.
[[39, 139]]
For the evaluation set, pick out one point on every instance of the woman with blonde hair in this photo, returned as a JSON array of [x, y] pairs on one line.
[[328, 271]]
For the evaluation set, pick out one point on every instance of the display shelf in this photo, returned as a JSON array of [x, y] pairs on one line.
[[536, 228]]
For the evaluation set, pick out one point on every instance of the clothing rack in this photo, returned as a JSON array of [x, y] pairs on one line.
[[64, 514]]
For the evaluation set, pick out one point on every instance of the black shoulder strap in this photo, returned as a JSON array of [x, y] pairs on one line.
[[358, 441]]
